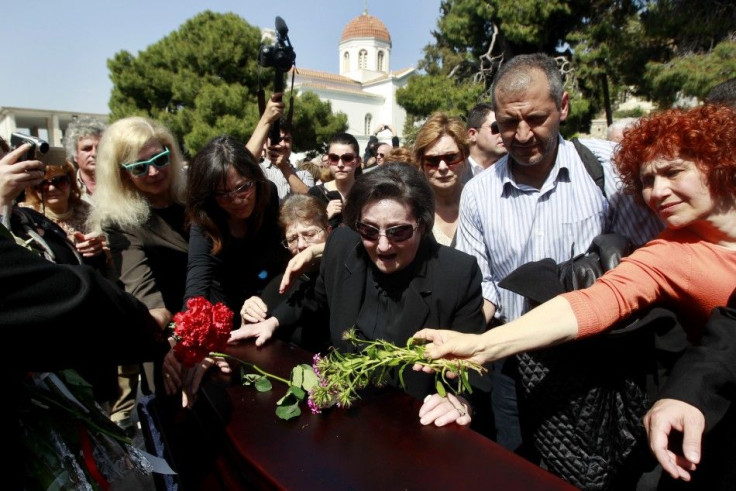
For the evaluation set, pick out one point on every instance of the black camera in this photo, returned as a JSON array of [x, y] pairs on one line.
[[38, 146], [281, 54]]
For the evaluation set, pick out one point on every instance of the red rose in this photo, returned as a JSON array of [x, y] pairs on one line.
[[201, 329]]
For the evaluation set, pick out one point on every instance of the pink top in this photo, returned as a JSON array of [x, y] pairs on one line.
[[677, 270]]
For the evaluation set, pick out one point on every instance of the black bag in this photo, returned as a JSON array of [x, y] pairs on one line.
[[581, 403]]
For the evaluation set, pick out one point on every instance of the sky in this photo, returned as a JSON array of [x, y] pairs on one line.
[[56, 52]]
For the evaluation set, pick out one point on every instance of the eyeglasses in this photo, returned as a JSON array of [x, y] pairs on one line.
[[493, 127], [140, 169], [382, 155], [243, 190], [58, 182], [448, 158], [309, 237], [346, 158], [399, 233]]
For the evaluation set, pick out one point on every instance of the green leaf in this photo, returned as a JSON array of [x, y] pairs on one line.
[[297, 375], [263, 384], [310, 379], [288, 412], [250, 378], [440, 387]]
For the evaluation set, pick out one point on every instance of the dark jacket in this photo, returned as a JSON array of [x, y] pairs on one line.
[[445, 293], [705, 377]]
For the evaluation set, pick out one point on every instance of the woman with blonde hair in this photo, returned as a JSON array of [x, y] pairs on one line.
[[440, 150]]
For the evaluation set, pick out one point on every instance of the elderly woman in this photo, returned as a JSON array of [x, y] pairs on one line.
[[59, 198], [304, 221], [234, 243], [386, 275], [680, 164], [440, 149]]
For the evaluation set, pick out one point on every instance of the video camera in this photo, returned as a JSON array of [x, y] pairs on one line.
[[38, 146], [281, 57]]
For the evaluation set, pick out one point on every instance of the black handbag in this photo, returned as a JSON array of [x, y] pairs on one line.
[[581, 403]]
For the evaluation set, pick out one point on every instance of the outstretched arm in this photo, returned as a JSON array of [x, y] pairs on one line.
[[551, 323], [274, 110]]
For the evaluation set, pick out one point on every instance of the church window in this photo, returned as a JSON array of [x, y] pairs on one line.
[[368, 122], [380, 62], [346, 62], [362, 59]]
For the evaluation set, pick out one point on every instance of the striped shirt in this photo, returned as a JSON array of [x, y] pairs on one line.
[[275, 175], [505, 225]]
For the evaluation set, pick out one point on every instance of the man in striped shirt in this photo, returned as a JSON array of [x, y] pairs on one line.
[[536, 202]]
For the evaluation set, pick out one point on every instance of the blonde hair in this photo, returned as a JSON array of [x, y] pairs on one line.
[[116, 199]]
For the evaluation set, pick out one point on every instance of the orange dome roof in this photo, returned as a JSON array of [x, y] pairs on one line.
[[365, 26]]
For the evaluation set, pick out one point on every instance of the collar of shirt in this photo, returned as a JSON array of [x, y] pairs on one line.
[[559, 172]]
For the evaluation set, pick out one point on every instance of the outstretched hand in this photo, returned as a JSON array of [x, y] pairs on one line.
[[665, 416], [262, 331], [444, 343], [254, 310]]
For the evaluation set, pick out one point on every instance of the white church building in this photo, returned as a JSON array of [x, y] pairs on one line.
[[365, 88]]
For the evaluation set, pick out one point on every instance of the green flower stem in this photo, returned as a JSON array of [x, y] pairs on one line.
[[253, 366]]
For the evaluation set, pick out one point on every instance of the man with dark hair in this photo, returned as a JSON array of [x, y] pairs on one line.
[[723, 93], [536, 202], [486, 145], [279, 170]]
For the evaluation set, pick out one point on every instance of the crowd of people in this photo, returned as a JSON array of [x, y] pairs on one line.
[[404, 242]]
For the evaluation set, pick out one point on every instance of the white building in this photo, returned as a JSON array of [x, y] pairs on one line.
[[365, 89]]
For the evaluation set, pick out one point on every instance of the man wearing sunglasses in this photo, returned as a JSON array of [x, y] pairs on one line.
[[278, 168], [486, 145], [536, 202]]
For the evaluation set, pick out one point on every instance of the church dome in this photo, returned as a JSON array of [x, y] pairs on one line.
[[365, 26]]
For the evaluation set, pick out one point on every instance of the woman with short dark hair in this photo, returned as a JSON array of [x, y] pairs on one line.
[[384, 274]]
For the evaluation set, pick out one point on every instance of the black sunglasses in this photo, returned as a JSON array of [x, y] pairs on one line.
[[447, 158], [399, 233], [58, 182], [346, 157]]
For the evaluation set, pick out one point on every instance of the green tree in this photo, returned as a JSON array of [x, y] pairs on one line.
[[660, 49], [201, 81]]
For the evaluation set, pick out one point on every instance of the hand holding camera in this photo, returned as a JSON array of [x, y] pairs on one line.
[[17, 173]]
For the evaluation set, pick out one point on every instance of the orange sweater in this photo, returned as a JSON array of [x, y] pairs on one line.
[[677, 269]]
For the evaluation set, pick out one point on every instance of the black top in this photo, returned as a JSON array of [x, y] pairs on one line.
[[441, 289], [242, 268], [324, 195]]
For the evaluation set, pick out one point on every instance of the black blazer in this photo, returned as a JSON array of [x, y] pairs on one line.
[[444, 294]]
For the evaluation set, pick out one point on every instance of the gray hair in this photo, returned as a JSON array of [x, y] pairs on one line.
[[620, 125], [79, 129], [515, 76]]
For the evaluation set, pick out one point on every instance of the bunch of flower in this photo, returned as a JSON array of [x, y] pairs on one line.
[[201, 329], [343, 375]]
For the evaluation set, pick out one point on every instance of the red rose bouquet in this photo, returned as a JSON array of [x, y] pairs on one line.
[[201, 329]]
